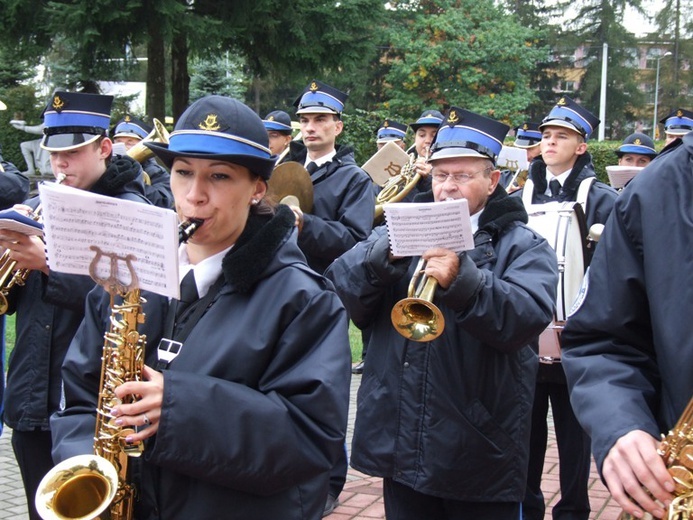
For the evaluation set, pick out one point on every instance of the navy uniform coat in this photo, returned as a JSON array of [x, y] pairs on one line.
[[628, 349], [450, 418], [255, 405], [49, 310], [343, 207]]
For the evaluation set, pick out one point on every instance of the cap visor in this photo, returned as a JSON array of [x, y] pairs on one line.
[[561, 123], [677, 131], [525, 143], [449, 153], [257, 165], [388, 139], [317, 110], [60, 142]]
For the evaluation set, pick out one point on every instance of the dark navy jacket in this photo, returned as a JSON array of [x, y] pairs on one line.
[[255, 406], [451, 417], [49, 310], [628, 349], [343, 207], [159, 191]]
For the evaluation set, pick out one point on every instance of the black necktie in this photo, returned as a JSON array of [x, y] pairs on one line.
[[188, 292], [311, 167], [555, 188]]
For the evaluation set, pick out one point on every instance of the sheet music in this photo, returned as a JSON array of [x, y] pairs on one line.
[[416, 227], [75, 220], [620, 175], [15, 221]]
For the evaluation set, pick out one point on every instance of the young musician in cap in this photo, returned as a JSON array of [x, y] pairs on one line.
[[557, 175], [344, 201], [247, 418], [424, 128], [446, 423], [279, 130], [391, 130], [527, 137], [130, 131], [627, 346], [50, 306], [677, 124], [636, 150]]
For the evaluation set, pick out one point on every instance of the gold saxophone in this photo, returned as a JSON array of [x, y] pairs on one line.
[[84, 486], [676, 449]]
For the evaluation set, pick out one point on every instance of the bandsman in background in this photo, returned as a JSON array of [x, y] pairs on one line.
[[279, 130], [130, 131], [49, 307], [527, 137], [343, 201], [677, 124], [557, 175], [425, 129], [391, 130], [636, 150]]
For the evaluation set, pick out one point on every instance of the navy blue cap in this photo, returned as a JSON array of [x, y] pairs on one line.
[[320, 98], [639, 144], [391, 131], [221, 128], [278, 121], [74, 119], [466, 134], [427, 118], [568, 114], [679, 122], [131, 127], [527, 135]]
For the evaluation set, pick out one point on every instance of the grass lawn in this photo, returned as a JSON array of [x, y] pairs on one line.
[[354, 340]]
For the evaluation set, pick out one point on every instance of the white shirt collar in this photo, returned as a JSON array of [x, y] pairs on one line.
[[206, 272], [560, 178], [475, 221], [321, 160]]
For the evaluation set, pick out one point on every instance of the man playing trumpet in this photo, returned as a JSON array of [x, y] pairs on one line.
[[50, 306], [446, 422]]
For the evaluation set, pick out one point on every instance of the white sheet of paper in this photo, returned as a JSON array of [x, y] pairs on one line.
[[74, 220], [620, 175], [416, 227]]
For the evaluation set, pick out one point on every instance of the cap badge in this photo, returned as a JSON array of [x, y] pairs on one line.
[[58, 104], [386, 124], [210, 124], [313, 87], [679, 113], [525, 126], [453, 118], [270, 118], [561, 102], [127, 119], [637, 141]]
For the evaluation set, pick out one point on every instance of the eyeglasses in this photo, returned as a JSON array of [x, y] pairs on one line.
[[458, 178]]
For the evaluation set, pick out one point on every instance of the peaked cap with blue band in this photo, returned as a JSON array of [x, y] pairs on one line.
[[219, 128], [466, 134], [74, 119], [427, 118], [527, 135], [391, 131], [639, 144], [679, 122], [568, 114], [131, 127], [279, 121], [320, 98]]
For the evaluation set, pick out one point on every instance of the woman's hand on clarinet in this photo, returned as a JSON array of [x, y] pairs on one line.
[[146, 412]]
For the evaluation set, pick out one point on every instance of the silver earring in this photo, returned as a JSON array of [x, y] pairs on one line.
[[255, 201]]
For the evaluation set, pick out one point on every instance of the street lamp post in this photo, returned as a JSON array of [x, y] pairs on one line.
[[654, 121]]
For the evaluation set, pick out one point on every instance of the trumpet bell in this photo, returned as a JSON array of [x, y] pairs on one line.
[[79, 488], [417, 319]]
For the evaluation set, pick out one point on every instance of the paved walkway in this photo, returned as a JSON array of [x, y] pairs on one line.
[[360, 500]]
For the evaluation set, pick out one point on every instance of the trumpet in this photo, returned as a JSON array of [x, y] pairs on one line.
[[397, 187], [9, 277], [141, 153], [416, 317]]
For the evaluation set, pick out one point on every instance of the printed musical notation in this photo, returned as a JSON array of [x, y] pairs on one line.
[[74, 220], [416, 227]]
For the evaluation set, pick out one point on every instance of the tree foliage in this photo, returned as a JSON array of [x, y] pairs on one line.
[[461, 52]]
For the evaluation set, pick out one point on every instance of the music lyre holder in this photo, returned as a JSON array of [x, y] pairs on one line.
[[112, 283]]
